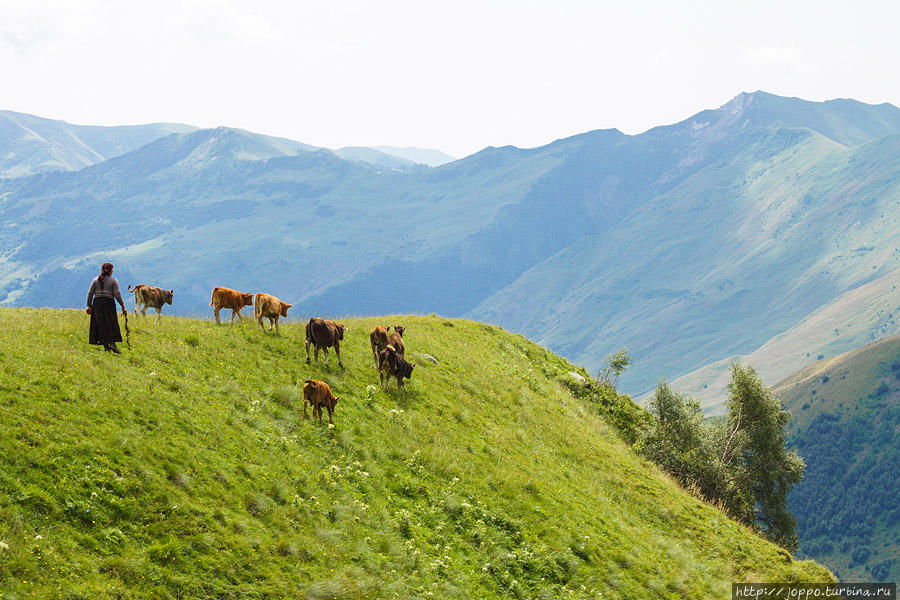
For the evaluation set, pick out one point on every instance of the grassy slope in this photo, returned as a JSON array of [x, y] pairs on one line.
[[184, 469], [846, 423]]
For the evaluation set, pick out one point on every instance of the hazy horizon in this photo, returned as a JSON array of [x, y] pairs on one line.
[[452, 77]]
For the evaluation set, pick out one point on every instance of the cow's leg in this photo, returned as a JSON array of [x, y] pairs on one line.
[[259, 322], [325, 350], [144, 311], [330, 414], [276, 327], [304, 407], [307, 350], [316, 353], [381, 378], [158, 315], [337, 350], [218, 320]]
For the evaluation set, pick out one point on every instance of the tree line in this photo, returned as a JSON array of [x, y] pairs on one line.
[[739, 462]]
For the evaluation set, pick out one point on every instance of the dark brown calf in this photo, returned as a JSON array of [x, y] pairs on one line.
[[392, 364], [324, 334]]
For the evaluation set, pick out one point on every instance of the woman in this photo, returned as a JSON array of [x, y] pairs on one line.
[[102, 308]]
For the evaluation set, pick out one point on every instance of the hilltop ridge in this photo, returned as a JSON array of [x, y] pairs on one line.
[[184, 468]]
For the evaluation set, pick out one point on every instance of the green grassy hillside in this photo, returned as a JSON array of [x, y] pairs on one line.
[[184, 469], [846, 425]]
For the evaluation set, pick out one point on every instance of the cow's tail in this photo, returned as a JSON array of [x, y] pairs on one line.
[[309, 333], [130, 288], [212, 299]]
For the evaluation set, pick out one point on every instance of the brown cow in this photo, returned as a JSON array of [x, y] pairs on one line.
[[378, 338], [269, 307], [396, 339], [223, 297], [323, 334], [150, 296], [318, 394], [392, 364]]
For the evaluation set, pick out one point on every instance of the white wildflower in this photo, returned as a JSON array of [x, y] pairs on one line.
[[4, 546]]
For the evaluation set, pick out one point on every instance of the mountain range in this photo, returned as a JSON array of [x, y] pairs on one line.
[[691, 243]]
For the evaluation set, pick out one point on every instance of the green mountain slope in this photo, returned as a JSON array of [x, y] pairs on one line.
[[184, 469], [853, 319], [846, 425], [784, 221], [30, 144]]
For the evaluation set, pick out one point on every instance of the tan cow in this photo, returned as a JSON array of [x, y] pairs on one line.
[[318, 394], [378, 338], [223, 297], [269, 307], [150, 296]]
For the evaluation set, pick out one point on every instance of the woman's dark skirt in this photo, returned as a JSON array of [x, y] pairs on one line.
[[104, 322]]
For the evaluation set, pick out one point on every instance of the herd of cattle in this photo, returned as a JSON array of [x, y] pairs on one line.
[[388, 350]]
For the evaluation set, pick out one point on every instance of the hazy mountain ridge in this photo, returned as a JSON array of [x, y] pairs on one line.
[[688, 243], [30, 144]]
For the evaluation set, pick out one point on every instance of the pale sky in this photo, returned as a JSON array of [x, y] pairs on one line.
[[457, 75]]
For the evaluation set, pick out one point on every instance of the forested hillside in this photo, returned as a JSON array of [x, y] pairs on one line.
[[846, 424]]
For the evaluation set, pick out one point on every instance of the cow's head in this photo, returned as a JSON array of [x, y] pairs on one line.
[[247, 299], [284, 308], [167, 296], [334, 401], [406, 369], [340, 330], [399, 329]]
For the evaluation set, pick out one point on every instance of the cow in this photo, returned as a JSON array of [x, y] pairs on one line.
[[269, 307], [396, 339], [223, 297], [150, 296], [392, 364], [378, 338], [323, 334], [318, 394]]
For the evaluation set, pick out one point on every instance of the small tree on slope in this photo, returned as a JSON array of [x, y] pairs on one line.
[[756, 461], [740, 463]]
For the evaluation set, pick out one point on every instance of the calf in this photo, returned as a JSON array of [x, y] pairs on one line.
[[392, 364], [223, 297], [150, 296], [324, 334], [378, 338], [269, 307], [318, 394], [396, 339]]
